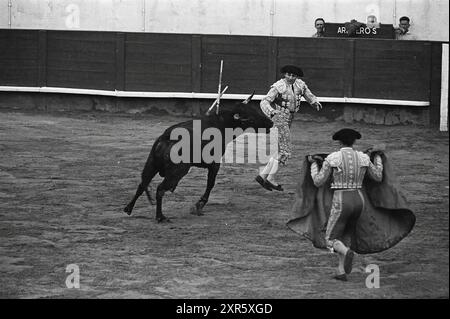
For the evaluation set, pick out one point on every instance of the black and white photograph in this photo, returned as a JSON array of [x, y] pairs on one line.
[[224, 154]]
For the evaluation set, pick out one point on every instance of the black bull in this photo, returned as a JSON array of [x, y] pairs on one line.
[[241, 115]]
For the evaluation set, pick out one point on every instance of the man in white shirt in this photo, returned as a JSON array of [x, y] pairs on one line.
[[402, 32]]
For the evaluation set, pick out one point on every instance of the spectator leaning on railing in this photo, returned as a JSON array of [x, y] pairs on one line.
[[372, 22], [319, 24], [402, 32], [352, 27]]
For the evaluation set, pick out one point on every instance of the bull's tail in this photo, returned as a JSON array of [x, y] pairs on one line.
[[149, 171]]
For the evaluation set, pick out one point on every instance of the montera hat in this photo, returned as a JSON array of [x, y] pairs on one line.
[[347, 136], [292, 69]]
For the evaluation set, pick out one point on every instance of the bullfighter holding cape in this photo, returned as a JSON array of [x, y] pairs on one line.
[[349, 202]]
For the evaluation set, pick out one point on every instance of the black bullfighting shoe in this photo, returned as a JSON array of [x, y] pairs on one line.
[[275, 187], [348, 261], [263, 182]]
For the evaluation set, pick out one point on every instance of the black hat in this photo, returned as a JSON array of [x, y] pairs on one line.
[[292, 69], [347, 136]]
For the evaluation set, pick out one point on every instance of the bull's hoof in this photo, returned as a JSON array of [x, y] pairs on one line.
[[341, 277], [348, 261], [197, 209], [163, 219], [196, 212], [128, 210]]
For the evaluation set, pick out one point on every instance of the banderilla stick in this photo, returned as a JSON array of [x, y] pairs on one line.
[[216, 100], [220, 87]]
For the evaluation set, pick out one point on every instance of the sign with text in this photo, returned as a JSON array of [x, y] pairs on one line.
[[341, 30]]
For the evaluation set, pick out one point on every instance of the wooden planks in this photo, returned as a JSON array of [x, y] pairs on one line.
[[19, 57], [392, 70], [323, 62], [245, 63], [155, 62], [435, 83], [158, 62], [81, 59]]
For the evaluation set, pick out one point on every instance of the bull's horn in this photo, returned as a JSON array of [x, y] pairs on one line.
[[248, 99]]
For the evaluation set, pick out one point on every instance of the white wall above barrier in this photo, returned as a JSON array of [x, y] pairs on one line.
[[429, 18]]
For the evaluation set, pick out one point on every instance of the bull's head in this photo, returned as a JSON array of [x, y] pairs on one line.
[[247, 115]]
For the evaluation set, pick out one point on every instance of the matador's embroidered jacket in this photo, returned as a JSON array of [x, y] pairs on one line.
[[285, 97], [348, 167]]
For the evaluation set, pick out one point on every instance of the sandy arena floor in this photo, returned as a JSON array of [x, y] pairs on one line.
[[65, 178]]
